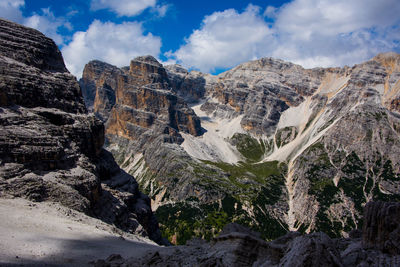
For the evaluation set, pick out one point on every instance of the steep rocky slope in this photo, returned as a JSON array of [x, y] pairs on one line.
[[281, 147], [50, 147]]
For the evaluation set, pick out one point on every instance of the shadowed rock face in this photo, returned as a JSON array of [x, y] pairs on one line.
[[189, 85], [381, 228], [50, 148]]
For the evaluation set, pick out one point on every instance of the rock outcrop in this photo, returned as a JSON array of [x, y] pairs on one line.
[[191, 86], [381, 228], [50, 147]]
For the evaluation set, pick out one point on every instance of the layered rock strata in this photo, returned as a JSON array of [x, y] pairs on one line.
[[50, 147]]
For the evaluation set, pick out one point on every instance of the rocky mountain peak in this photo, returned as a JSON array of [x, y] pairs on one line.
[[138, 101], [98, 74], [29, 46], [147, 70], [266, 63], [97, 67], [177, 69], [148, 59], [34, 74], [390, 60]]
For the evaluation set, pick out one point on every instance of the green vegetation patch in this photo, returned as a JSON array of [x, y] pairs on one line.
[[388, 173], [353, 179], [251, 148], [310, 121], [320, 173], [182, 221], [246, 175], [380, 115]]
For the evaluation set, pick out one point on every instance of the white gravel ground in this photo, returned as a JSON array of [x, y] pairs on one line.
[[48, 234]]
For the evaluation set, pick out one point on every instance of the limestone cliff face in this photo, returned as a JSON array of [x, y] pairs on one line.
[[188, 85], [142, 101], [50, 148], [97, 83]]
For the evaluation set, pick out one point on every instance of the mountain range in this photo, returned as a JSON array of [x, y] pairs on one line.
[[267, 144]]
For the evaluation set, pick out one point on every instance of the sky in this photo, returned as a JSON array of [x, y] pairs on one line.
[[213, 35]]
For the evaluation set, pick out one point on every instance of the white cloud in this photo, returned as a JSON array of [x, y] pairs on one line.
[[11, 9], [113, 43], [161, 10], [270, 11], [328, 17], [226, 39], [334, 33], [48, 24], [123, 7], [308, 32], [45, 22]]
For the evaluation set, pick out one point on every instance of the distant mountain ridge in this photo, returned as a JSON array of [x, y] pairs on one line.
[[268, 144]]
